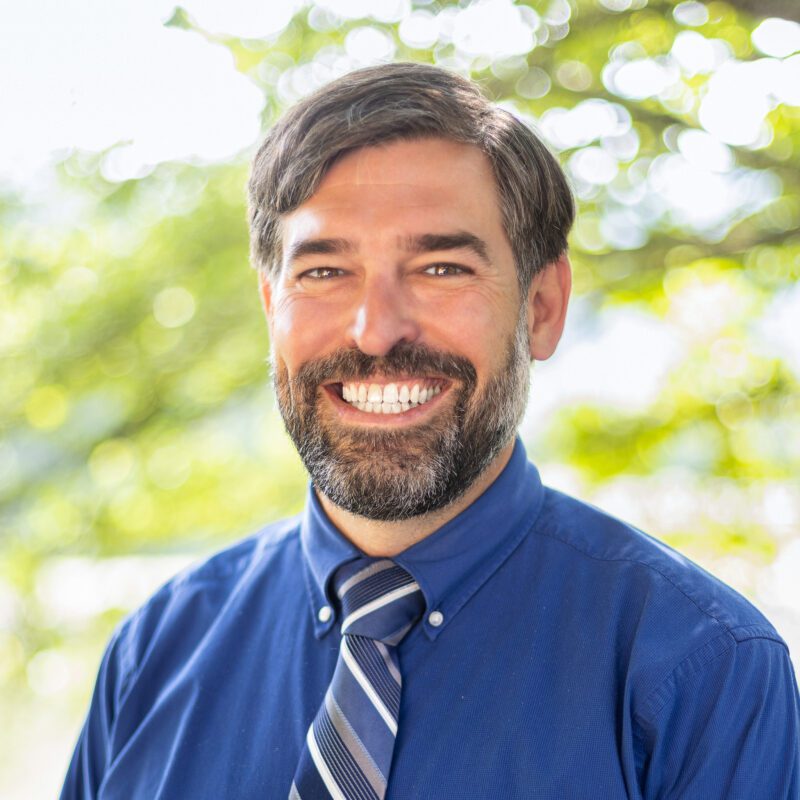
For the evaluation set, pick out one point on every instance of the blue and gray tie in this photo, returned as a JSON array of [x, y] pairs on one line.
[[348, 749]]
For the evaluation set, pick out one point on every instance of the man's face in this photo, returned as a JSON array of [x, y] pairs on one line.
[[399, 339]]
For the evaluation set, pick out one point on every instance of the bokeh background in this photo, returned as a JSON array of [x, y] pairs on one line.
[[138, 431]]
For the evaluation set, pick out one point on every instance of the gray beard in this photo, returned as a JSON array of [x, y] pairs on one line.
[[393, 475]]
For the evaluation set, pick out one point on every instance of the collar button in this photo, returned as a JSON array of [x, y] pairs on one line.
[[324, 614], [435, 618]]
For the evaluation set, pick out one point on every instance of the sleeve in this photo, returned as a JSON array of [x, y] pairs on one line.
[[91, 756], [724, 726]]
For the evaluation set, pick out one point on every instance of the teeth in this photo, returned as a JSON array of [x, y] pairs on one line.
[[392, 398], [390, 393]]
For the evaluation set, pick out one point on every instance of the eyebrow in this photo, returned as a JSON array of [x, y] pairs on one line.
[[460, 240], [423, 243], [319, 247]]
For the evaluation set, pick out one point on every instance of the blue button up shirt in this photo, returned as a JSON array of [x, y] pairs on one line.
[[571, 657]]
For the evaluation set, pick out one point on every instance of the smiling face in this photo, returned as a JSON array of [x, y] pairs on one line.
[[399, 339]]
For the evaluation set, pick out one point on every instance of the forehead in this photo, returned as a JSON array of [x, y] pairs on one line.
[[433, 161], [403, 185]]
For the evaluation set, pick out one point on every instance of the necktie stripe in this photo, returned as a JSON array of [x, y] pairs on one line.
[[372, 665], [397, 636], [362, 716], [373, 587], [349, 745], [355, 671], [343, 766], [308, 783], [363, 574], [356, 747], [322, 767], [390, 665], [379, 602], [332, 757]]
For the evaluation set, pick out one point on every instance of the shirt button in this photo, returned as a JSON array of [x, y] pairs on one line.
[[436, 618], [324, 614]]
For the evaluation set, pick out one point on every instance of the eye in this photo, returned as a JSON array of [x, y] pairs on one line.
[[321, 273], [445, 270]]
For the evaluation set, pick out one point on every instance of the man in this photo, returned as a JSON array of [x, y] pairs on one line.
[[436, 624]]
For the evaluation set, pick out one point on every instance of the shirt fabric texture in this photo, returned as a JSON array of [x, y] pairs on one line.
[[575, 657]]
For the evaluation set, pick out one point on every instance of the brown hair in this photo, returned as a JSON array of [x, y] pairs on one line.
[[409, 101]]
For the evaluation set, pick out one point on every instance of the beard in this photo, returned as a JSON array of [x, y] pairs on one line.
[[395, 474]]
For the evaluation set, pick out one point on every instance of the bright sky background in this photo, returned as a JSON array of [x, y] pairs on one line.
[[101, 73], [98, 74]]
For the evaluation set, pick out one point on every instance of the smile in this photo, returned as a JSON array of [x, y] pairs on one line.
[[390, 398]]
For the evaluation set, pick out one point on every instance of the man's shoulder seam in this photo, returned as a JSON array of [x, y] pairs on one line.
[[648, 565], [746, 633], [700, 658]]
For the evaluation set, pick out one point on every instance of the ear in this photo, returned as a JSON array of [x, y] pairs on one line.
[[548, 297], [265, 290]]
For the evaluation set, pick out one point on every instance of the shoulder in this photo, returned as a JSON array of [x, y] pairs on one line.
[[705, 681], [202, 595], [682, 639], [645, 567], [225, 570], [228, 566], [665, 619]]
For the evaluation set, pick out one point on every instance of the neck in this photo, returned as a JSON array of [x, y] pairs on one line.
[[387, 539]]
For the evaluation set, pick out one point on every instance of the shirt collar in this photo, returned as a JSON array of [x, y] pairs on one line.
[[452, 563]]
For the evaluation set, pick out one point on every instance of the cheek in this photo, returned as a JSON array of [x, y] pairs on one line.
[[301, 331], [474, 328]]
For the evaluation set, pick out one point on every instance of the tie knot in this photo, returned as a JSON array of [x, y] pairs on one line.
[[380, 600]]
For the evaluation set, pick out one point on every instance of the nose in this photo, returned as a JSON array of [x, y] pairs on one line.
[[383, 317]]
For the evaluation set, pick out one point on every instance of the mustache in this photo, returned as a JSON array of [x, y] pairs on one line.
[[403, 358]]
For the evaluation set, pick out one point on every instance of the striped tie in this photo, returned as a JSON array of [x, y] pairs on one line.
[[349, 745]]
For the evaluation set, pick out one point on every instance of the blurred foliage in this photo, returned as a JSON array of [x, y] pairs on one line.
[[135, 413]]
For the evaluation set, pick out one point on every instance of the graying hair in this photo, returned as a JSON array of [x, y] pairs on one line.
[[380, 104]]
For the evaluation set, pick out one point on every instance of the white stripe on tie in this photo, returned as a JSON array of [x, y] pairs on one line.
[[356, 672], [387, 659], [355, 746], [322, 767], [362, 575], [379, 602]]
